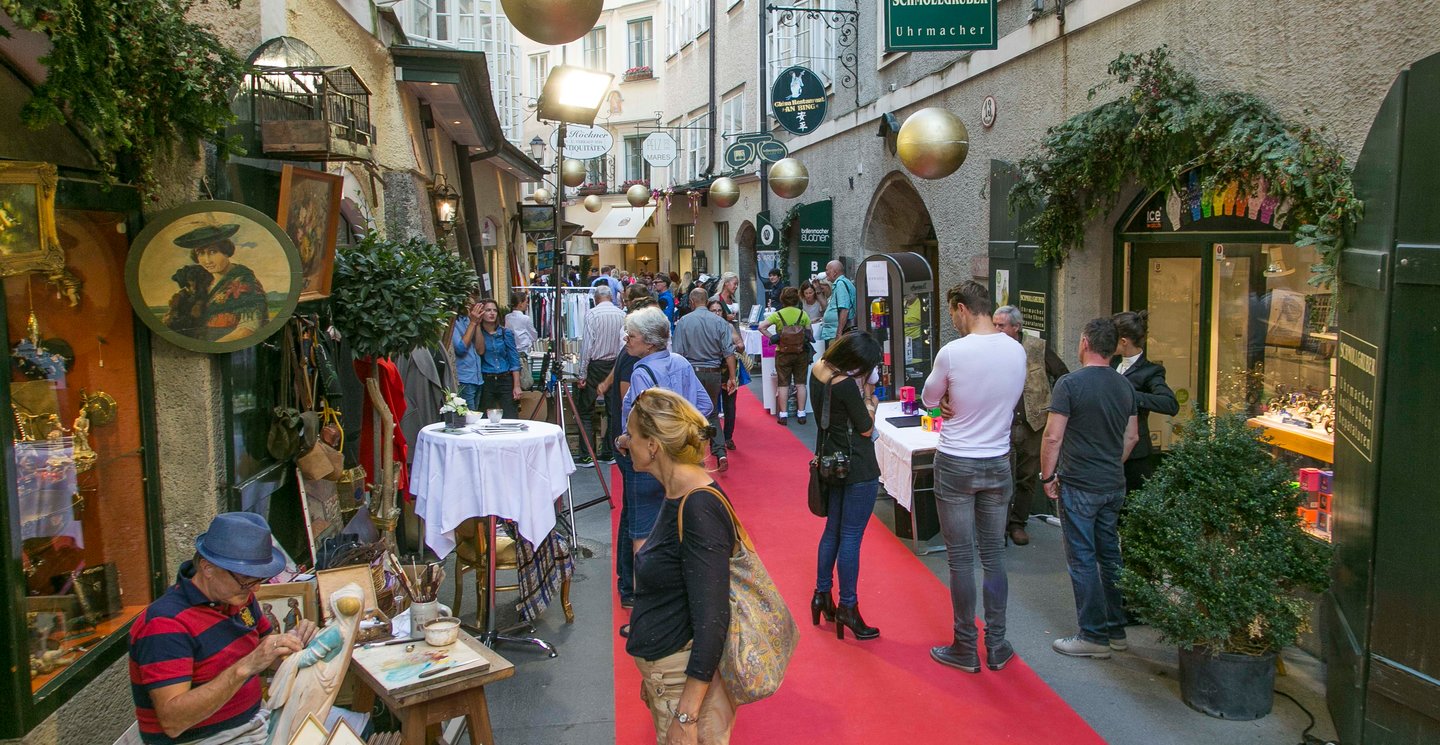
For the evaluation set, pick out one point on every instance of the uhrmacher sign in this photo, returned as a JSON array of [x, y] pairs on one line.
[[939, 25]]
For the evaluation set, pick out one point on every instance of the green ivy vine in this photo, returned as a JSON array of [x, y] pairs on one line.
[[135, 75], [1167, 124]]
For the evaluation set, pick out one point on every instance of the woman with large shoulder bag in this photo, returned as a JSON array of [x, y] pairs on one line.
[[846, 466]]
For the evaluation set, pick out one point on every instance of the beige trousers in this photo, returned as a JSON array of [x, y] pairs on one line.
[[661, 683]]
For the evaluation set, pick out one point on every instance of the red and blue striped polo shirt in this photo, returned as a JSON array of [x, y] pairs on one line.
[[184, 637]]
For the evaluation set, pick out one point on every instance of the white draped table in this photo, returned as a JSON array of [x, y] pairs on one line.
[[514, 476], [906, 454]]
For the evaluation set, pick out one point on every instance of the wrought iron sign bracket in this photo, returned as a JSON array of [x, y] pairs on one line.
[[846, 22]]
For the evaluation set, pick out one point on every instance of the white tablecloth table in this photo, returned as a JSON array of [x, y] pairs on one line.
[[752, 341], [896, 449], [513, 476]]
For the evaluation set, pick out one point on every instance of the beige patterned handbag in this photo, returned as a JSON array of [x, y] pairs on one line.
[[762, 634]]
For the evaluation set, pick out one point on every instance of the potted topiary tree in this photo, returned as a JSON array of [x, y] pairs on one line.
[[1214, 557], [391, 297]]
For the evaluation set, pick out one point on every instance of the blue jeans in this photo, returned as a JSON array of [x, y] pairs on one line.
[[972, 497], [624, 544], [471, 393], [643, 496], [1089, 521], [850, 508]]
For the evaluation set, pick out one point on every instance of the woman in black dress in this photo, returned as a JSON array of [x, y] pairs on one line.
[[844, 368]]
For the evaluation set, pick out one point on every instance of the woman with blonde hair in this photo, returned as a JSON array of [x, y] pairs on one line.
[[682, 576]]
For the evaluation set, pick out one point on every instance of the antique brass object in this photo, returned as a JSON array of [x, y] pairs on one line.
[[99, 407], [789, 178], [553, 22], [638, 195], [541, 196], [593, 203], [572, 172], [724, 192], [933, 143]]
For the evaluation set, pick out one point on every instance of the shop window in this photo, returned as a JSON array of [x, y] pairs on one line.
[[77, 472]]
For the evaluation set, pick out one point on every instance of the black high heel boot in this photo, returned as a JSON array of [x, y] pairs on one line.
[[849, 616], [821, 605]]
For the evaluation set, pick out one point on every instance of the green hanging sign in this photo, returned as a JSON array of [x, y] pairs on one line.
[[939, 25]]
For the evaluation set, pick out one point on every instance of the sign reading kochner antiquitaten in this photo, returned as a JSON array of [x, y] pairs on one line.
[[939, 25]]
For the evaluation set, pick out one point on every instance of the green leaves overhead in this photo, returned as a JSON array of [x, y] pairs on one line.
[[1165, 125], [392, 297], [1214, 551], [134, 75]]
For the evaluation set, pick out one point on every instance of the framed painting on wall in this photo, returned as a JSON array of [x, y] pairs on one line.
[[28, 240], [310, 214], [213, 276]]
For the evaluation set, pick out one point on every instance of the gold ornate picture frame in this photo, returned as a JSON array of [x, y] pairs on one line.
[[28, 239]]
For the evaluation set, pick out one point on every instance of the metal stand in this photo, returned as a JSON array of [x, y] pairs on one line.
[[493, 635]]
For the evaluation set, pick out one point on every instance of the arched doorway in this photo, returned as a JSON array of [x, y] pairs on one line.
[[745, 251], [898, 220]]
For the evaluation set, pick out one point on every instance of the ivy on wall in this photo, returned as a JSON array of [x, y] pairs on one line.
[[1165, 125], [134, 75]]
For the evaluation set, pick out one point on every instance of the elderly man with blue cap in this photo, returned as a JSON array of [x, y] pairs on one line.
[[196, 652]]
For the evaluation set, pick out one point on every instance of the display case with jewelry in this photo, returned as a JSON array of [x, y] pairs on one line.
[[77, 475]]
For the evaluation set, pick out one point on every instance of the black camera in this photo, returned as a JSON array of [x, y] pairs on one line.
[[834, 467]]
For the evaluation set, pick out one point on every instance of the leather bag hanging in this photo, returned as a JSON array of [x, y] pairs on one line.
[[762, 634]]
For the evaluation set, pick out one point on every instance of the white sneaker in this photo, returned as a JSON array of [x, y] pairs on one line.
[[1074, 646], [1119, 645]]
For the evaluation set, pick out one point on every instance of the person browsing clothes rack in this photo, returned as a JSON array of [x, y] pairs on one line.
[[840, 399]]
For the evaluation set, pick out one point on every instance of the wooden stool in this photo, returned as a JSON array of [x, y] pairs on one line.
[[422, 712], [470, 557]]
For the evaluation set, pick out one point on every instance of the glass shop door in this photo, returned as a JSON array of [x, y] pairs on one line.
[[1170, 280]]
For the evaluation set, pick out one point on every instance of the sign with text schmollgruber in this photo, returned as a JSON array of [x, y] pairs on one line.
[[939, 25], [797, 99]]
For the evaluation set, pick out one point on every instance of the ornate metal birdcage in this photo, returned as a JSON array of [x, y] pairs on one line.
[[311, 113]]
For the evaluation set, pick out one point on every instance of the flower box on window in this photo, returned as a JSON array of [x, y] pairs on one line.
[[639, 73], [625, 186], [588, 189]]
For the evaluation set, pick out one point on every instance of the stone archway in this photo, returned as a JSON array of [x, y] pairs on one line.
[[898, 220], [744, 248]]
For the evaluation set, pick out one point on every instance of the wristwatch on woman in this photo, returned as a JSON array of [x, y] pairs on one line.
[[684, 718]]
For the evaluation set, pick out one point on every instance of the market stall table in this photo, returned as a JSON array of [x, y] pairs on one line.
[[513, 475], [422, 710], [907, 471], [767, 377]]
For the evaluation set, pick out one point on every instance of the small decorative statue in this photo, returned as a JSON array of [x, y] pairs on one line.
[[307, 682]]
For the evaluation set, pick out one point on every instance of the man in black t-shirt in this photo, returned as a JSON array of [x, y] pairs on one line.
[[1091, 429]]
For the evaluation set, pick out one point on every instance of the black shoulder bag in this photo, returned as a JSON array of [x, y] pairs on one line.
[[830, 469]]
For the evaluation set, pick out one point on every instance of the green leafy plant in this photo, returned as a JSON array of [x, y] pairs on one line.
[[1165, 124], [397, 296], [135, 75], [1214, 551]]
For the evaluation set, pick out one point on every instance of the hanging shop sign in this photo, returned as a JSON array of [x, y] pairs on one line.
[[747, 147], [659, 149], [815, 221], [767, 238], [797, 99], [1355, 403], [939, 25], [1032, 311], [582, 142], [213, 276]]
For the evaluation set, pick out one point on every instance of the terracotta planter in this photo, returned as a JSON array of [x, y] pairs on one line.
[[640, 75]]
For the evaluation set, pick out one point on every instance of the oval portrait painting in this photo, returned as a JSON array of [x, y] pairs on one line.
[[213, 276]]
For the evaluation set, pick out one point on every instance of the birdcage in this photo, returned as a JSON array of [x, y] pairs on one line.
[[311, 113]]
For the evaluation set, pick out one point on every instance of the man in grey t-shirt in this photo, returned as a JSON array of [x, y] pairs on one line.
[[707, 342], [1091, 429]]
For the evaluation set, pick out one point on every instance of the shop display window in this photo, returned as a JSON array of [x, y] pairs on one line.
[[77, 466], [1274, 341]]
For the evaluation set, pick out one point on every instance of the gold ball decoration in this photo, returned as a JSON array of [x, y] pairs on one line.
[[638, 195], [789, 178], [933, 143], [553, 22], [593, 203], [541, 196], [348, 605], [572, 172], [724, 192]]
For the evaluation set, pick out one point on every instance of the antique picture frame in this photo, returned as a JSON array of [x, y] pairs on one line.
[[28, 239], [280, 596], [537, 218], [244, 292], [320, 503], [309, 213], [331, 580]]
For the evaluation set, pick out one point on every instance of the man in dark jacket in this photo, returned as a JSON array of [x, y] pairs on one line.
[[1151, 392]]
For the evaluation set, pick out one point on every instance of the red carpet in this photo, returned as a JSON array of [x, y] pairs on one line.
[[883, 691]]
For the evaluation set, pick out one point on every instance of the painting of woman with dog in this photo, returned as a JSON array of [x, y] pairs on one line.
[[219, 277]]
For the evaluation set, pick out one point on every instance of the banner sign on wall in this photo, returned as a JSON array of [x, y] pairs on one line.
[[797, 99], [939, 25], [766, 237], [815, 221]]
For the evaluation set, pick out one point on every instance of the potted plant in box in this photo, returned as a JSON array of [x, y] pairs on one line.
[[1214, 557]]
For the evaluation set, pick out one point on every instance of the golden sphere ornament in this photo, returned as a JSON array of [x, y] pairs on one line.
[[932, 143], [638, 195], [541, 196], [724, 192], [572, 172], [593, 204], [553, 22], [789, 178], [348, 605]]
